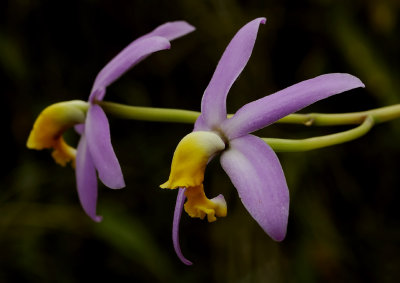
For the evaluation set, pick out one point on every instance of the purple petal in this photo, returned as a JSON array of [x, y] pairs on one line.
[[201, 125], [79, 128], [231, 64], [265, 111], [97, 132], [86, 180], [175, 225], [170, 30], [126, 59], [255, 171]]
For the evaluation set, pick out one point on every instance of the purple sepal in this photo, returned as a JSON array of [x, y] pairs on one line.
[[256, 173], [231, 64], [97, 132], [267, 110], [86, 180], [175, 225]]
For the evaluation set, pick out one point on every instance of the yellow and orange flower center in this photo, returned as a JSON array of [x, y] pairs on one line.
[[198, 205], [187, 170], [50, 125]]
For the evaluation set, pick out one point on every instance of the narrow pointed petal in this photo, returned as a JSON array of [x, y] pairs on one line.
[[86, 180], [126, 59], [97, 132], [265, 111], [170, 30], [175, 225], [255, 171], [231, 64]]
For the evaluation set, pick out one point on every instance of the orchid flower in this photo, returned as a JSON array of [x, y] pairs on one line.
[[94, 151], [251, 164]]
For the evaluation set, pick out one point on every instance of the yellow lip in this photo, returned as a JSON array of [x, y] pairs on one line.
[[187, 170], [50, 125]]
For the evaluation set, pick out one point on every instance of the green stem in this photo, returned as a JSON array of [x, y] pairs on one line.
[[149, 113], [322, 141], [379, 115], [365, 120]]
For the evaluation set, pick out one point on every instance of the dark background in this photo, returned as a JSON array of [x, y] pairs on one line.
[[344, 220]]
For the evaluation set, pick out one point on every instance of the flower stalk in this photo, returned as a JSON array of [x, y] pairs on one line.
[[379, 115], [365, 119], [293, 145], [149, 113]]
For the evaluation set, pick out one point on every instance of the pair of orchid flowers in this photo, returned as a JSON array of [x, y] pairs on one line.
[[251, 164]]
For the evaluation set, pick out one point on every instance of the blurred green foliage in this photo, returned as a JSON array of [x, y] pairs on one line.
[[344, 220]]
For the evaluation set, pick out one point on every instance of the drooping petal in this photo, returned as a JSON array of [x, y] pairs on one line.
[[264, 111], [255, 171], [175, 226], [86, 180], [231, 64], [97, 132], [126, 59], [170, 30]]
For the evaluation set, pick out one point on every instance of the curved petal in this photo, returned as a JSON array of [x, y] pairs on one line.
[[86, 180], [264, 111], [175, 225], [97, 132], [255, 171], [170, 30], [201, 125], [231, 64], [126, 59]]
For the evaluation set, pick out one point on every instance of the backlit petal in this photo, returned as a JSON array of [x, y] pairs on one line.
[[126, 59], [231, 64], [97, 132], [175, 226], [255, 171], [170, 30], [86, 180], [265, 111]]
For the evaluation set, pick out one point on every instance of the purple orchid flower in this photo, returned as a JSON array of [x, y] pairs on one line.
[[94, 151], [251, 164]]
